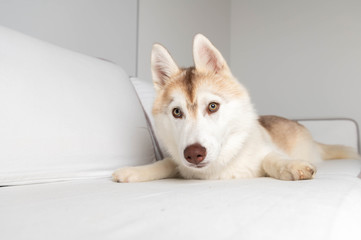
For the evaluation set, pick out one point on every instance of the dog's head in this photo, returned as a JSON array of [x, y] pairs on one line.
[[202, 113]]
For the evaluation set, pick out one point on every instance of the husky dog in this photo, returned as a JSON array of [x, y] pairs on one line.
[[206, 121]]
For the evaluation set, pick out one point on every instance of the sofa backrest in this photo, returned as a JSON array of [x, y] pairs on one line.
[[64, 115]]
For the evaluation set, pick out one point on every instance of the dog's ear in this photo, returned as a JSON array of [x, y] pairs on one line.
[[163, 66], [207, 57]]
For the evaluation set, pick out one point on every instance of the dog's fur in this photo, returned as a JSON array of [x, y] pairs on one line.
[[237, 142]]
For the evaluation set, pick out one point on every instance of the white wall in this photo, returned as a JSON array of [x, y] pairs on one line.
[[299, 59], [100, 28], [174, 23], [108, 28]]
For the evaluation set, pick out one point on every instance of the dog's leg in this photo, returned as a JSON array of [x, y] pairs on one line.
[[165, 168], [277, 166]]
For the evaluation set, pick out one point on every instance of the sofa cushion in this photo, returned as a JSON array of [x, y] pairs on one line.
[[64, 115], [146, 94], [327, 207]]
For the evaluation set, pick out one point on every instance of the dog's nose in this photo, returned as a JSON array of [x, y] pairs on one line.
[[195, 153]]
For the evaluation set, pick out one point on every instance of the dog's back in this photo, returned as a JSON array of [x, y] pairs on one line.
[[297, 142]]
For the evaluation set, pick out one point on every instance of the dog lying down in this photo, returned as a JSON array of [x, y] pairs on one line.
[[206, 121]]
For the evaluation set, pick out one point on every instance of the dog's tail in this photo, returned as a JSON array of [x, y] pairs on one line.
[[329, 152]]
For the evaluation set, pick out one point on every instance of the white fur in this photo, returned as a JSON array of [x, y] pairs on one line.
[[237, 145], [223, 133]]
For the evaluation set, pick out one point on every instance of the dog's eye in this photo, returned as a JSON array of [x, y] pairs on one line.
[[213, 107], [177, 113]]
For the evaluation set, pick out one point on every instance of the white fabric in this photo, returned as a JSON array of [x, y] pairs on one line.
[[64, 115], [146, 94], [327, 207]]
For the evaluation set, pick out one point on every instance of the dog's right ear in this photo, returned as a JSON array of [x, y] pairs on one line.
[[207, 57], [163, 66]]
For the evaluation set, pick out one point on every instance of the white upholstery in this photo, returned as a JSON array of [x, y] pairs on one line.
[[326, 208], [146, 94], [64, 115]]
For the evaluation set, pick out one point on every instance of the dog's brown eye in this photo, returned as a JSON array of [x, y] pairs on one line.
[[213, 107], [177, 113]]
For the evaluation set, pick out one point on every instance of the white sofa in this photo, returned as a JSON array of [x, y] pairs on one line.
[[68, 120]]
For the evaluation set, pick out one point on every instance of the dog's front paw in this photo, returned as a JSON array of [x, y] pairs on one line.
[[127, 174], [298, 170]]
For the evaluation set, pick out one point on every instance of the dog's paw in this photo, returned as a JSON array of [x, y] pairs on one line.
[[127, 175], [298, 170]]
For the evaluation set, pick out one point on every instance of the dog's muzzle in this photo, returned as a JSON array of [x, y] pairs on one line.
[[195, 154]]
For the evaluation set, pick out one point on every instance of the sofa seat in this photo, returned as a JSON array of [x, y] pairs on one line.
[[327, 207]]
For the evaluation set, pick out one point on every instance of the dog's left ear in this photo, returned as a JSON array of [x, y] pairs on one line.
[[207, 57]]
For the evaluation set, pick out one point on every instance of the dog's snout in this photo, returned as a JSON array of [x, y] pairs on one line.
[[195, 153]]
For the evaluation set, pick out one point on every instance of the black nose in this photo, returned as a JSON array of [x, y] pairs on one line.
[[195, 153]]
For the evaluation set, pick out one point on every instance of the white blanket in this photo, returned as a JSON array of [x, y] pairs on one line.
[[328, 207]]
